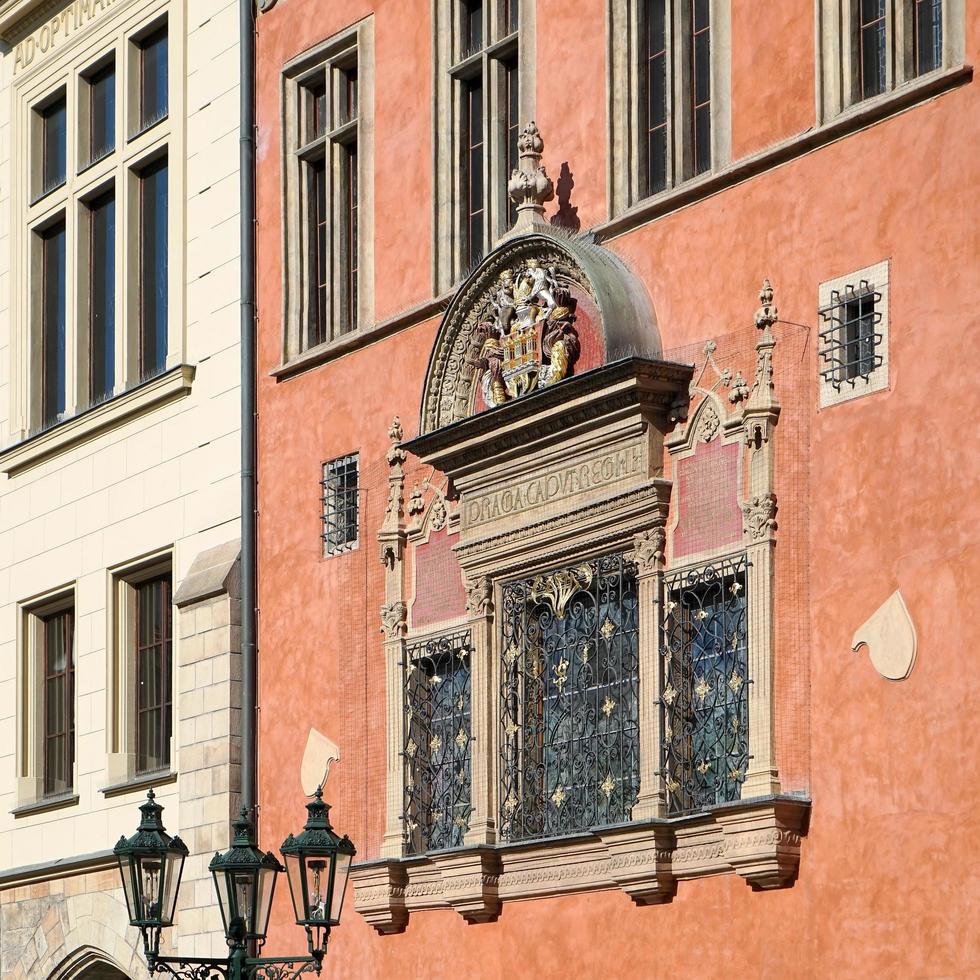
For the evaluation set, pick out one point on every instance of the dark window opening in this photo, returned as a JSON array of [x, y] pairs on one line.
[[340, 505], [850, 341], [154, 674], [871, 43], [54, 367], [513, 129], [927, 35], [53, 145], [472, 26], [102, 113], [153, 266], [59, 701], [473, 170], [153, 78], [512, 13], [655, 107], [316, 324], [102, 297], [317, 102], [348, 95], [700, 87], [350, 233]]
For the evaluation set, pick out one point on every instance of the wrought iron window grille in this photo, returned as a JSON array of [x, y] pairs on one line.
[[849, 343], [339, 501], [704, 694], [438, 737], [569, 700]]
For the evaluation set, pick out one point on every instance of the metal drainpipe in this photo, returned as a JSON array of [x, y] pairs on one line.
[[249, 706]]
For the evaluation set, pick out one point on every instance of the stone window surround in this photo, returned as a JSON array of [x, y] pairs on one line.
[[836, 53], [448, 68], [624, 80], [354, 44], [877, 277], [758, 836], [112, 35], [121, 699], [30, 797]]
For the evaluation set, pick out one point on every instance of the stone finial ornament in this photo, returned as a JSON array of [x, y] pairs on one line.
[[530, 187], [889, 635]]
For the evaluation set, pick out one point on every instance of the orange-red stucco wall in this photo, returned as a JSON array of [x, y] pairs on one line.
[[888, 882]]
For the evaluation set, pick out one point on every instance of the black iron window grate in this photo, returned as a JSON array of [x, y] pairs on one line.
[[851, 338], [569, 700], [438, 737], [704, 699], [340, 505]]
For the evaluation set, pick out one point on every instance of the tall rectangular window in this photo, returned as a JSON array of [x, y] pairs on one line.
[[53, 145], [339, 499], [101, 113], [569, 700], [153, 267], [654, 104], [513, 124], [705, 682], [701, 86], [53, 306], [153, 78], [102, 297], [872, 67], [327, 152], [154, 674], [927, 35], [473, 202], [58, 632]]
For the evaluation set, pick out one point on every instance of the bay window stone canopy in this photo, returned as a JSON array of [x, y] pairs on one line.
[[547, 416]]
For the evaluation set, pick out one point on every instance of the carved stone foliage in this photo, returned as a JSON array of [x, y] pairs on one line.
[[648, 549], [393, 617], [760, 516], [479, 596]]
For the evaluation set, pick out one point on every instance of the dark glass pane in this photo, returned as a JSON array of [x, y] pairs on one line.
[[350, 191], [350, 94], [316, 327], [474, 170], [657, 160], [54, 144], [702, 68], [872, 10], [153, 78], [53, 324], [512, 14], [59, 724], [657, 92], [656, 23], [102, 112], [873, 60], [702, 140], [154, 670], [928, 35], [317, 122], [513, 129], [701, 14], [102, 297], [472, 25], [153, 268]]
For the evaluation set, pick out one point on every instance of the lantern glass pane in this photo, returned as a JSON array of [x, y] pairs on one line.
[[171, 882], [294, 873], [150, 872], [126, 871], [342, 870], [219, 887], [241, 896], [318, 886], [263, 900]]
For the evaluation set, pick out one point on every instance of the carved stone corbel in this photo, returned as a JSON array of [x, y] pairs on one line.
[[470, 879], [763, 843], [379, 894], [640, 863]]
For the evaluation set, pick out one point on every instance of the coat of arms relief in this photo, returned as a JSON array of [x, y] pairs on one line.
[[529, 340]]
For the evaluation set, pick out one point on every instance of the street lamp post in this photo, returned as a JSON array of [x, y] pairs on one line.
[[317, 864]]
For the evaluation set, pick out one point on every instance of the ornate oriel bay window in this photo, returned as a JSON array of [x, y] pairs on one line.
[[579, 651]]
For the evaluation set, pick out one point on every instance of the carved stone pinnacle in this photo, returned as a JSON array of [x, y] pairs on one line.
[[530, 187]]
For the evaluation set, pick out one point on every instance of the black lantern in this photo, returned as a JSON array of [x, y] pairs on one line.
[[317, 865], [245, 879], [151, 862]]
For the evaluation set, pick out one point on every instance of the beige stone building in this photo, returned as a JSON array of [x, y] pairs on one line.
[[119, 464]]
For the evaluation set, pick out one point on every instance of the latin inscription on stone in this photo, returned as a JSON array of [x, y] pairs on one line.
[[552, 489], [58, 29]]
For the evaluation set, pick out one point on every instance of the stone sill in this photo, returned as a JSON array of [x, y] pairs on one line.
[[758, 839], [45, 805], [356, 339], [145, 780], [854, 118], [165, 387]]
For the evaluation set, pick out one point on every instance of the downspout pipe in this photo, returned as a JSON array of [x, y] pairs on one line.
[[249, 704]]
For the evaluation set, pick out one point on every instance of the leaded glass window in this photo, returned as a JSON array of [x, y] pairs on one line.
[[705, 685], [569, 739], [437, 743]]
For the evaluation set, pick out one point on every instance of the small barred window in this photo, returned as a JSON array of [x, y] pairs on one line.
[[437, 743], [853, 335], [340, 506], [704, 697], [569, 700]]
